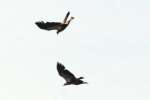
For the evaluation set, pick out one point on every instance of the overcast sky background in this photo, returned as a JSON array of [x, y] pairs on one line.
[[108, 43]]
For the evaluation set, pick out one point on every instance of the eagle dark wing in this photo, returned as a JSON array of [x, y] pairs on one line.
[[48, 25], [66, 17], [67, 75]]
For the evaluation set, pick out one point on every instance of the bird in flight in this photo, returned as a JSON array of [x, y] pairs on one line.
[[68, 76], [59, 26]]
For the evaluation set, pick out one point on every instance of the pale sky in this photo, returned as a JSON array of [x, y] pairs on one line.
[[108, 43]]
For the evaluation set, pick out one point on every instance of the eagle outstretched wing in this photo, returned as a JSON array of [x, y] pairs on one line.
[[48, 25], [66, 74], [66, 17]]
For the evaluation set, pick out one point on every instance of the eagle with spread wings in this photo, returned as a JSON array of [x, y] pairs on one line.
[[59, 26], [68, 76]]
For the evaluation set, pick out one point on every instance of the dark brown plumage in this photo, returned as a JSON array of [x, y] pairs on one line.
[[59, 26], [68, 76]]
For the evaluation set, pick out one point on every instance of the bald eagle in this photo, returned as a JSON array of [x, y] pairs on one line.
[[59, 26], [68, 76]]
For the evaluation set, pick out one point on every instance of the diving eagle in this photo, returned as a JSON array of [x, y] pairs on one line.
[[59, 26], [68, 76]]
